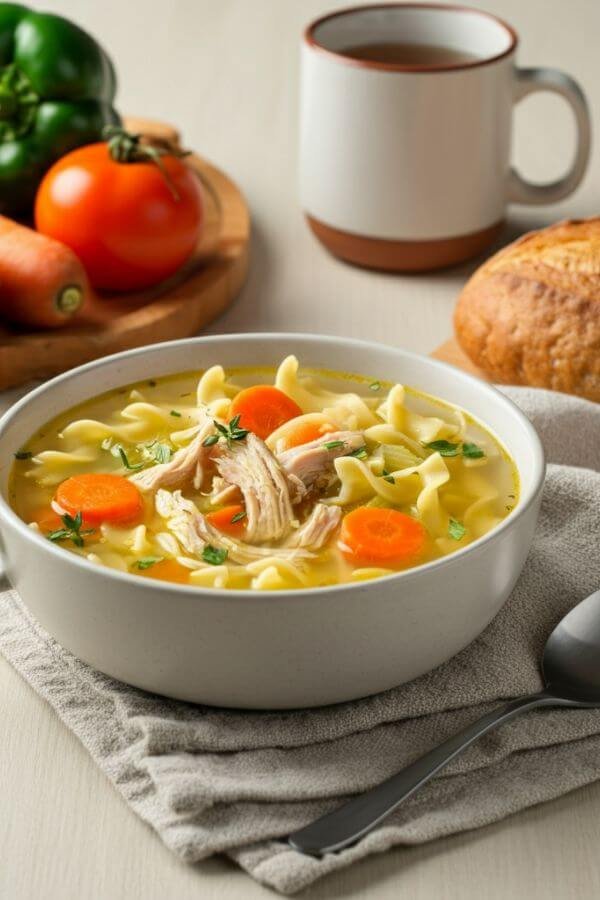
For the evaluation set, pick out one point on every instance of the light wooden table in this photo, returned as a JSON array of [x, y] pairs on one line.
[[225, 71]]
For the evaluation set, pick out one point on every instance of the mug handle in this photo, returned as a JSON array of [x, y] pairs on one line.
[[527, 82]]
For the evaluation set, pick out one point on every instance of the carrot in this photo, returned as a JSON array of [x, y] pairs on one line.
[[42, 283], [100, 498], [263, 408], [304, 433], [45, 518], [166, 570], [382, 537], [223, 519]]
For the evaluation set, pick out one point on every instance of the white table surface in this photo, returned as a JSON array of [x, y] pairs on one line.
[[225, 72]]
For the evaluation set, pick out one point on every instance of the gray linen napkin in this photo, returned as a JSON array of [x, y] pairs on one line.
[[215, 781]]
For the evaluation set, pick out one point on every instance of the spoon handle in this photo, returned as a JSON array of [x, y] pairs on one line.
[[354, 819]]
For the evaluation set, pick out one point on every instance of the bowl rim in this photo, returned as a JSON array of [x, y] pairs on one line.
[[186, 590]]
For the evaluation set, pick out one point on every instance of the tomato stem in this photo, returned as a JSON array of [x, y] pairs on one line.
[[125, 147]]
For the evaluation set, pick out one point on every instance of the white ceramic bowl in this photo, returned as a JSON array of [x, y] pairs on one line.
[[280, 649]]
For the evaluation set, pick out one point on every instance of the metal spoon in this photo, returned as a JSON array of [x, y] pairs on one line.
[[571, 671]]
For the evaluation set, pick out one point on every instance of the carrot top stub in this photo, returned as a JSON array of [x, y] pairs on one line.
[[263, 408], [382, 537], [100, 498]]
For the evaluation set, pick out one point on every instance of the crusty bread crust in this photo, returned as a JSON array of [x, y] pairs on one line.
[[531, 313]]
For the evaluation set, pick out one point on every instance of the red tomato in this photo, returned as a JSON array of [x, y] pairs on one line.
[[121, 218]]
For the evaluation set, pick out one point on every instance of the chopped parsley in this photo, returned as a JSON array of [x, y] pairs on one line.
[[211, 440], [472, 451], [387, 477], [215, 556], [444, 448], [375, 386], [146, 561], [359, 453], [447, 448], [175, 413], [71, 531], [161, 453], [133, 467], [333, 445], [456, 530], [239, 516], [23, 454]]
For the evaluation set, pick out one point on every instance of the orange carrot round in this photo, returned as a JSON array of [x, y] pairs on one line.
[[304, 433], [42, 282], [381, 537], [45, 518], [263, 408], [223, 519], [165, 570], [100, 498]]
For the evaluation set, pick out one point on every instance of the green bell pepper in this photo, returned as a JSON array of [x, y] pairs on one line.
[[57, 86]]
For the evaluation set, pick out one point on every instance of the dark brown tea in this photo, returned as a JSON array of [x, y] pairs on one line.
[[400, 54]]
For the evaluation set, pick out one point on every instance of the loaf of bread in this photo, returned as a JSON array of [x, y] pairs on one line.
[[531, 313]]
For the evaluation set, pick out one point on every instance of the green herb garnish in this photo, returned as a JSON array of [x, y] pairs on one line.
[[175, 413], [456, 530], [23, 454], [146, 561], [133, 467], [214, 555], [232, 431], [375, 386], [389, 478], [72, 530], [472, 451], [161, 453], [211, 440], [239, 516], [444, 448], [359, 453], [447, 448], [333, 445]]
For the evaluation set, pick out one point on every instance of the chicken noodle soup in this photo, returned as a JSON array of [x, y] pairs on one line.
[[263, 479]]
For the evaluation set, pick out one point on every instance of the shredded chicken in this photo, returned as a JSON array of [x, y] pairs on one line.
[[318, 528], [311, 465], [186, 465], [251, 466], [194, 533]]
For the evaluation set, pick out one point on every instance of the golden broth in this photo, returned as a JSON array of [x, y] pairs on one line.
[[456, 498]]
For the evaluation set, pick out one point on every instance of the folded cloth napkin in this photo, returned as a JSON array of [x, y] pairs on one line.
[[216, 781]]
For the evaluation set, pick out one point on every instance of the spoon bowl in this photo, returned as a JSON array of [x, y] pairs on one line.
[[571, 661]]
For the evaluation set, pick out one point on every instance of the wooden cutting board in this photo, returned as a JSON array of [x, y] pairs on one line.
[[451, 352], [177, 308]]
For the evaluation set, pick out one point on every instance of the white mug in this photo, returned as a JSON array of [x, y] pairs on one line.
[[407, 167]]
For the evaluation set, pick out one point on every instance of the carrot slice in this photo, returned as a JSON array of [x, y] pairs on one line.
[[100, 498], [166, 570], [383, 537], [222, 519], [304, 433], [263, 408], [46, 518]]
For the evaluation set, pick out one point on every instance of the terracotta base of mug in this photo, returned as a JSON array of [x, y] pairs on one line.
[[402, 256]]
